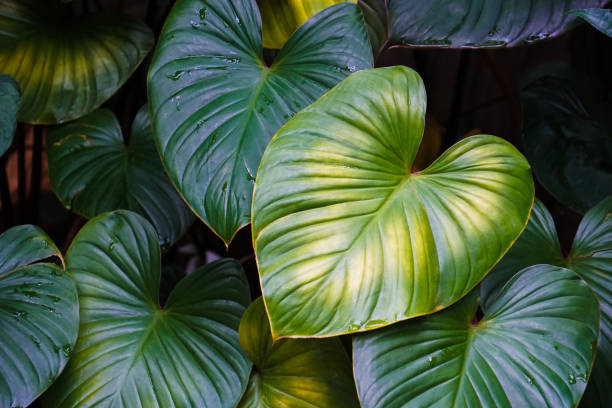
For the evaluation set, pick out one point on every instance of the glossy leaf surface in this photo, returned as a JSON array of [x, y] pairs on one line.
[[294, 373], [533, 348], [92, 171], [478, 23], [9, 106], [567, 128], [590, 258], [66, 67], [133, 353], [215, 104], [38, 315], [601, 19], [375, 16], [348, 238], [280, 18]]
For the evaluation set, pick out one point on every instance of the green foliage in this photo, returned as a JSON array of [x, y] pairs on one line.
[[590, 257], [216, 104], [534, 347], [133, 352], [38, 315], [94, 170], [342, 224], [65, 66], [9, 106], [396, 261], [297, 373]]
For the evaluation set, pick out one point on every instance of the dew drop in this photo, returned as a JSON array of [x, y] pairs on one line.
[[20, 314], [36, 341], [352, 68], [224, 188], [194, 24], [203, 12], [111, 246], [571, 378], [529, 379], [66, 350], [176, 76]]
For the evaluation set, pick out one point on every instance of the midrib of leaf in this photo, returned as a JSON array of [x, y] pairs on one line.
[[471, 333], [157, 316]]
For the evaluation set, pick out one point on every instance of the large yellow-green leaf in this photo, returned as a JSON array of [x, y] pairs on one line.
[[348, 238], [280, 18], [475, 23], [38, 315], [67, 66], [590, 258], [215, 104], [9, 106], [131, 351], [534, 347], [93, 170], [293, 373]]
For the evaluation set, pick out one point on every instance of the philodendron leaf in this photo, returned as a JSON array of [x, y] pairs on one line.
[[601, 19], [293, 373], [132, 352], [92, 171], [375, 15], [67, 66], [567, 138], [280, 18], [533, 348], [477, 23], [9, 106], [39, 315], [215, 104], [590, 258], [348, 238]]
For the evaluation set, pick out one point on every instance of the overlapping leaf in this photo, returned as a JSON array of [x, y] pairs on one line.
[[475, 23], [601, 19], [280, 18], [590, 258], [567, 128], [133, 353], [92, 171], [9, 106], [348, 238], [66, 67], [533, 348], [295, 373], [215, 104], [38, 315]]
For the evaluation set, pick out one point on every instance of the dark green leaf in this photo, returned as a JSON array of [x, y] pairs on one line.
[[477, 23], [533, 348], [296, 373], [375, 15], [133, 353], [590, 258], [66, 67], [601, 19], [349, 238], [567, 138], [93, 171], [9, 106], [215, 104], [38, 315]]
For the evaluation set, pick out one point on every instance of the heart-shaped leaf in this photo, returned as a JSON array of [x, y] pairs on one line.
[[567, 128], [9, 106], [601, 19], [477, 23], [93, 171], [293, 372], [533, 348], [280, 18], [39, 315], [215, 104], [67, 66], [133, 353], [348, 238], [590, 258]]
